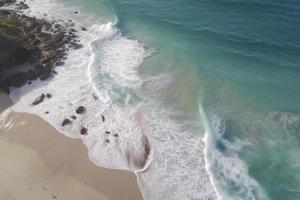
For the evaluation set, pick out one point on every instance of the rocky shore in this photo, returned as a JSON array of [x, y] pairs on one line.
[[31, 48]]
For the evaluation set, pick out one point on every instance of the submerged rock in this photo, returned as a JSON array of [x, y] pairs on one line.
[[288, 120], [73, 117], [95, 97], [48, 95]]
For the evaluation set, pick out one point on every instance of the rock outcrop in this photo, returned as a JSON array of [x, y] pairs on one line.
[[30, 48]]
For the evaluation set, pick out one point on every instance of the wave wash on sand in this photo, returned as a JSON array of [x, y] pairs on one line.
[[80, 101]]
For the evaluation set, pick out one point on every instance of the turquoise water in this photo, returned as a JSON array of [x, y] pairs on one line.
[[239, 60]]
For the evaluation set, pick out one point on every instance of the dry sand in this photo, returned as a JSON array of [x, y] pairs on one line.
[[37, 163]]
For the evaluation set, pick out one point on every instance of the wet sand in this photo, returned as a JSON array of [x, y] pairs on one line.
[[39, 163], [4, 102]]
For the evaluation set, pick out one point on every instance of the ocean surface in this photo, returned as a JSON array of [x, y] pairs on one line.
[[227, 72]]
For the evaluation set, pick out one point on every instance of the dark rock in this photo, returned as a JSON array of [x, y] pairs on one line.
[[16, 79], [39, 99], [83, 131], [73, 117], [36, 42], [103, 118], [95, 96], [59, 63], [107, 132], [76, 12], [48, 95], [45, 75], [66, 122], [29, 82], [72, 30], [7, 2], [30, 48], [20, 56], [107, 141], [72, 24], [43, 37], [47, 112], [21, 6], [80, 110], [83, 29], [76, 46], [116, 135], [31, 75]]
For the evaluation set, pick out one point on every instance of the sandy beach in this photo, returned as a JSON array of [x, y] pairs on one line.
[[39, 163]]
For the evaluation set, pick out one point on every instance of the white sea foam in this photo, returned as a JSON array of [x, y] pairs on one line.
[[178, 168], [168, 161], [227, 169]]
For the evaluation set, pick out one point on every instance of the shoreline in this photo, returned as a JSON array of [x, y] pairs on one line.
[[116, 136], [38, 163]]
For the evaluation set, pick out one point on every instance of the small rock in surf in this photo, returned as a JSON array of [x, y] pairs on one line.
[[83, 131], [66, 122], [80, 110], [48, 95], [39, 99]]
